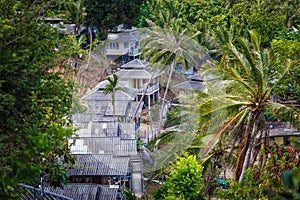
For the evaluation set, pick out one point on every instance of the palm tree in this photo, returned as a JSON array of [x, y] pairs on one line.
[[167, 47], [236, 115], [77, 14], [112, 88]]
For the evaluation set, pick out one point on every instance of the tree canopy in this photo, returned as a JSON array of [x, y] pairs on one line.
[[184, 181], [35, 98], [246, 77], [107, 15]]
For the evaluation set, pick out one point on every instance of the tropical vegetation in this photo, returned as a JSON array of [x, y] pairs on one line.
[[36, 88], [250, 49], [111, 88], [252, 62]]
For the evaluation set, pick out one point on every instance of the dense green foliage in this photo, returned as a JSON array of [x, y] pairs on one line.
[[279, 179], [277, 21], [288, 49], [247, 190], [107, 15], [250, 70], [36, 90], [35, 98], [246, 83], [184, 181]]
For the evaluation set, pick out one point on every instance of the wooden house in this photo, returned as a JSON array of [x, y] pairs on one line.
[[281, 133]]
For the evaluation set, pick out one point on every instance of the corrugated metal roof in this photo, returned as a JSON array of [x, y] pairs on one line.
[[91, 116], [28, 193], [119, 95], [91, 126], [190, 85], [92, 165], [71, 191], [97, 93], [137, 74], [104, 145], [108, 193], [127, 129], [133, 108], [78, 191], [120, 108], [136, 64], [120, 37]]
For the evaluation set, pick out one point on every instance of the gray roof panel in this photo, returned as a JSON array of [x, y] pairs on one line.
[[190, 85]]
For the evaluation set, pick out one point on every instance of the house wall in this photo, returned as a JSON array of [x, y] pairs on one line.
[[117, 48], [131, 83], [137, 83], [279, 140]]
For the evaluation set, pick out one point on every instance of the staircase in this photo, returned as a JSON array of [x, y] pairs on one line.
[[137, 175]]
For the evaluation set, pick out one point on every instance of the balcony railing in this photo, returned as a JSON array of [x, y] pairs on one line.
[[133, 52], [150, 89]]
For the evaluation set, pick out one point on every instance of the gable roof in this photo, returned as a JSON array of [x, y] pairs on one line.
[[96, 93], [136, 64], [121, 37], [190, 85], [137, 69]]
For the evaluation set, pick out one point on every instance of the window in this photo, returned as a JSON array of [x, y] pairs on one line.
[[126, 45], [113, 45]]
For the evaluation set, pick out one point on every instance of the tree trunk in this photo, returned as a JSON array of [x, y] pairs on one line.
[[90, 50], [134, 115], [249, 148], [242, 151], [165, 95], [113, 103]]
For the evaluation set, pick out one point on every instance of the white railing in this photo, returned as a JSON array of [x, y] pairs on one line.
[[133, 52], [150, 89]]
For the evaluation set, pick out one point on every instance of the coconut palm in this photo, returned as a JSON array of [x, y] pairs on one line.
[[112, 88], [169, 46], [235, 104]]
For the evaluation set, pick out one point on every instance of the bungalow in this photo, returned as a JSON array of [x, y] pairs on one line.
[[123, 45], [106, 145], [136, 74], [99, 104]]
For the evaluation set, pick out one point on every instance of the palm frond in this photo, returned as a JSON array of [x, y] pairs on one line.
[[282, 111], [216, 136], [278, 81]]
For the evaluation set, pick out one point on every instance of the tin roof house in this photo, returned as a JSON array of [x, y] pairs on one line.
[[188, 97], [106, 145], [136, 74], [123, 45], [100, 104]]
